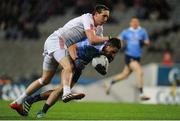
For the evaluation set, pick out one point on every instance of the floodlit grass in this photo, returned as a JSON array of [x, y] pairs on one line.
[[95, 111]]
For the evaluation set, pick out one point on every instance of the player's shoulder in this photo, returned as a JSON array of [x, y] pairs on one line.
[[125, 30], [143, 31], [86, 18], [86, 15]]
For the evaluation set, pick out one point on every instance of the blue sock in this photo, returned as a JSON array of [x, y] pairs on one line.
[[34, 99]]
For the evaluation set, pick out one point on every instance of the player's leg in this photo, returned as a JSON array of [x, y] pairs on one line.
[[37, 84], [51, 100], [67, 73], [18, 103], [124, 74], [32, 99], [49, 68], [45, 95], [38, 97], [54, 96], [137, 69]]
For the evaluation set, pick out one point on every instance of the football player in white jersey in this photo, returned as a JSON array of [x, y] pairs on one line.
[[56, 49]]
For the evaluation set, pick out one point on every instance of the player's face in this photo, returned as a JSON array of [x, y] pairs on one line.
[[101, 18], [111, 50], [134, 23]]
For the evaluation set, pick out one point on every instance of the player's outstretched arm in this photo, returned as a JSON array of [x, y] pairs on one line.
[[93, 38]]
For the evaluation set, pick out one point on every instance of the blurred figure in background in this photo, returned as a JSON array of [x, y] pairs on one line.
[[83, 6], [133, 38], [4, 79], [167, 59]]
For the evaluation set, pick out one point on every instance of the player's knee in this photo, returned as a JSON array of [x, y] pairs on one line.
[[43, 81]]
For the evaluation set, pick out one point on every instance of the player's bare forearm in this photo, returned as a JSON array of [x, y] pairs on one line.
[[73, 51], [93, 38]]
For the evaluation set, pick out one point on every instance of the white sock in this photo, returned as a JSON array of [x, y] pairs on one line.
[[20, 99], [66, 90]]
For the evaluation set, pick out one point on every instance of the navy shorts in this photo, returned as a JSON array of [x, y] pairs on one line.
[[128, 59]]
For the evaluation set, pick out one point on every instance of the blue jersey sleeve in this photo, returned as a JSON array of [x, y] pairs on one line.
[[145, 35]]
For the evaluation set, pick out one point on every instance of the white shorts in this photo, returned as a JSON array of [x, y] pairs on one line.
[[54, 50]]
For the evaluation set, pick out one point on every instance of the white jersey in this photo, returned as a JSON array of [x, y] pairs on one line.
[[72, 32]]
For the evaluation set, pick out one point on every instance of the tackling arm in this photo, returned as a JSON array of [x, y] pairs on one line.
[[73, 51], [93, 38]]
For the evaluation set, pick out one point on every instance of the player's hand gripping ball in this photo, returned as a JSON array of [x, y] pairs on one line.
[[101, 64]]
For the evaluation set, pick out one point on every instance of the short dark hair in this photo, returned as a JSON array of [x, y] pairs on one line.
[[99, 8], [114, 42]]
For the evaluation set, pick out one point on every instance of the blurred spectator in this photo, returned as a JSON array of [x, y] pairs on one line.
[[163, 8], [20, 18], [167, 59], [154, 9], [83, 6], [167, 55], [4, 79], [177, 60], [162, 32], [168, 47], [141, 11]]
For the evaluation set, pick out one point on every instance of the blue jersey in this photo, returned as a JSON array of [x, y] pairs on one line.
[[87, 52], [133, 39]]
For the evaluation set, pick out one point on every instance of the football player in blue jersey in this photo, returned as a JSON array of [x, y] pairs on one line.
[[86, 53], [134, 38]]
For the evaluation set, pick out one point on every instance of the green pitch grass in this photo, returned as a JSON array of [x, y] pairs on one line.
[[96, 111]]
